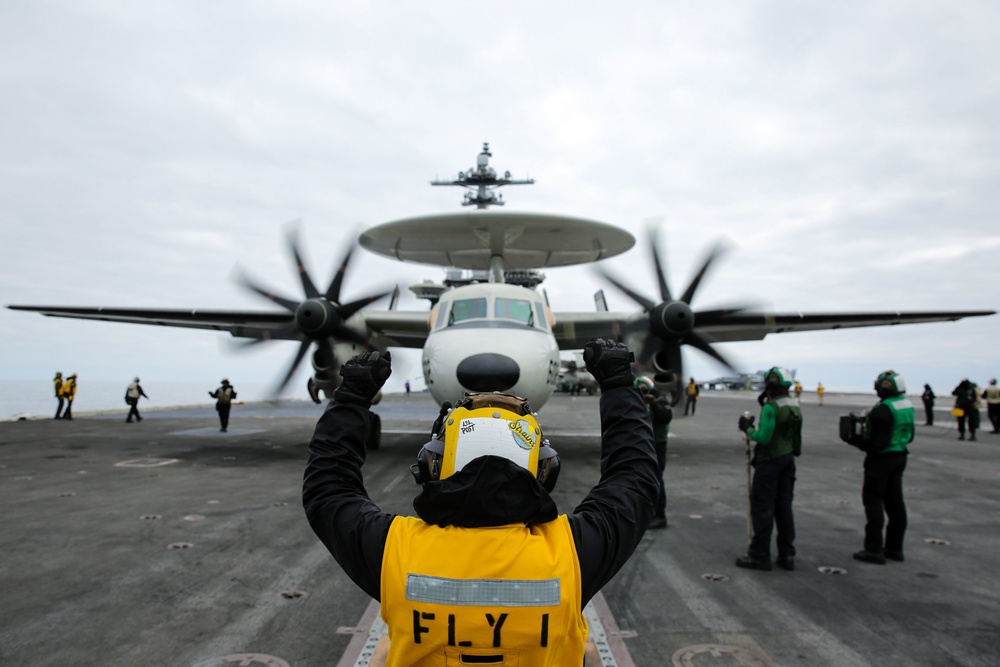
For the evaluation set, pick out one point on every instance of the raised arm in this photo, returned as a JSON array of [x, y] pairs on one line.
[[611, 520], [336, 503]]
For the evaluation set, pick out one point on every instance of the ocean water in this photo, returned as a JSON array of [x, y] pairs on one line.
[[32, 399]]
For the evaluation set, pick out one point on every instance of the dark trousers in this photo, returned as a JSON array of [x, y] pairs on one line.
[[224, 415], [771, 505], [68, 412], [59, 408], [929, 410], [993, 412], [882, 495], [134, 412], [692, 403], [661, 462], [972, 416]]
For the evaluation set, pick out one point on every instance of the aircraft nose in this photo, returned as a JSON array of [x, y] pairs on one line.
[[488, 372]]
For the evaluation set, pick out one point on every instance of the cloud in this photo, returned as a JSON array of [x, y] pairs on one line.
[[849, 152]]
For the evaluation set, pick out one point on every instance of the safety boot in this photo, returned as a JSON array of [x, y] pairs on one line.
[[869, 557], [751, 563]]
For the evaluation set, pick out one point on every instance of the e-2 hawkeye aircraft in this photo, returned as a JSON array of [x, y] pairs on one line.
[[496, 331]]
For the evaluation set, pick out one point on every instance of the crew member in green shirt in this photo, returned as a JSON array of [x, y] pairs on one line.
[[779, 441], [888, 430]]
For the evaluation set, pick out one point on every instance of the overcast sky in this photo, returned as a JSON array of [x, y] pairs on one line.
[[847, 151]]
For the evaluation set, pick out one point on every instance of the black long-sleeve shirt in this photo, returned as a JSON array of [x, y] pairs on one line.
[[607, 525], [882, 422]]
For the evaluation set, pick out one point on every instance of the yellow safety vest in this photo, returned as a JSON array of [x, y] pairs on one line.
[[505, 595]]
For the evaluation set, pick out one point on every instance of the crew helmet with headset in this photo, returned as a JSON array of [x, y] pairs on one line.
[[483, 424], [889, 383], [778, 378], [644, 384]]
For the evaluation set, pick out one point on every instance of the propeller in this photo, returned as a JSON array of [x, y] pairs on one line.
[[671, 322], [320, 319]]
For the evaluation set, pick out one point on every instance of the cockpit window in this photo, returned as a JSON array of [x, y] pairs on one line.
[[541, 320], [514, 309], [467, 309]]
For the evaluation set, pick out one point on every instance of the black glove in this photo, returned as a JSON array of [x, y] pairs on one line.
[[363, 376], [746, 423], [609, 362]]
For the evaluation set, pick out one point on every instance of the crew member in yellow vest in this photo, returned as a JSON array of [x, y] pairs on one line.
[[517, 574], [691, 391], [69, 393], [58, 382]]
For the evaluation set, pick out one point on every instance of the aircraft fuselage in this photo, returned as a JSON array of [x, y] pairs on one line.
[[512, 350]]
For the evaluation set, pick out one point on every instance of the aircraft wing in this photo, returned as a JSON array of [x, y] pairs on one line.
[[574, 329], [392, 328], [238, 323], [755, 326], [398, 328]]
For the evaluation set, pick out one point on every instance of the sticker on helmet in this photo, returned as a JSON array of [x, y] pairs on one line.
[[523, 434]]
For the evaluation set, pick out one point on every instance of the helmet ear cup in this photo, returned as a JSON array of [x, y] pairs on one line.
[[549, 465], [428, 465]]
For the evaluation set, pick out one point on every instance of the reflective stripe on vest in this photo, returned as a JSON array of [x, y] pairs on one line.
[[506, 595]]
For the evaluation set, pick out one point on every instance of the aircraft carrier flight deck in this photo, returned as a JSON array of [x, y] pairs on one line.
[[169, 543]]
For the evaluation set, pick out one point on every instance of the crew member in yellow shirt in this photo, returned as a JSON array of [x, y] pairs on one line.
[[488, 572]]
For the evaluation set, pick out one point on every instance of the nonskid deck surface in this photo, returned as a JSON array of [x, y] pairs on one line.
[[168, 542]]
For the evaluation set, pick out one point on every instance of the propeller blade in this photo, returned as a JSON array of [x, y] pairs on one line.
[[349, 309], [333, 291], [635, 296], [650, 346], [661, 269], [243, 280], [303, 348], [717, 250], [329, 357], [293, 245], [696, 341]]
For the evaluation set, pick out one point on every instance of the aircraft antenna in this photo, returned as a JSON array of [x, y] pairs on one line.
[[483, 181]]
